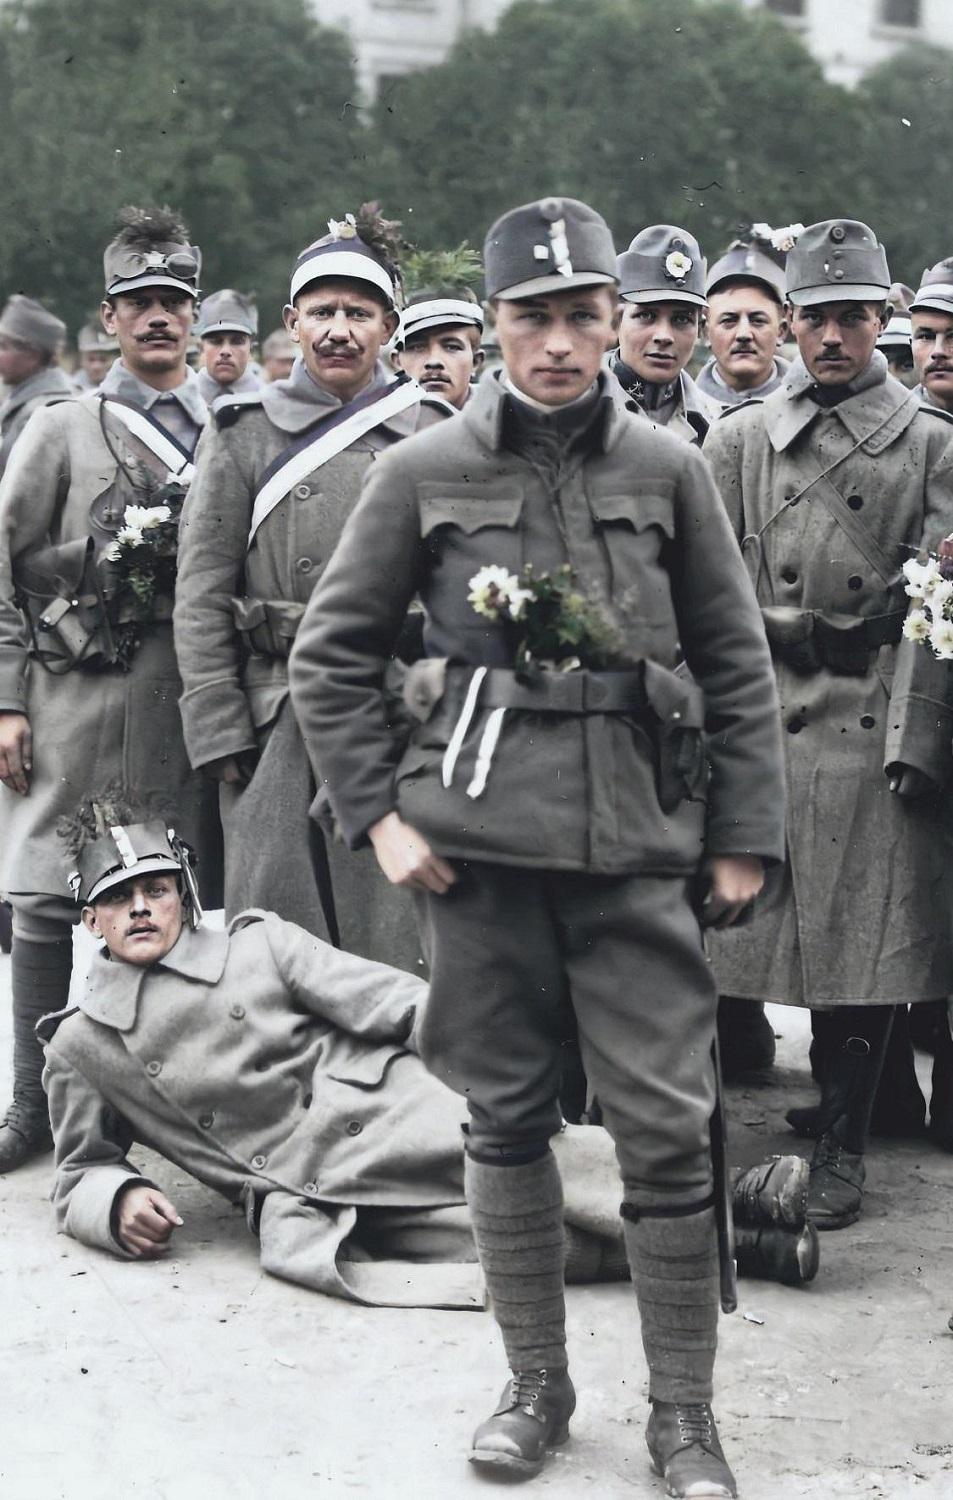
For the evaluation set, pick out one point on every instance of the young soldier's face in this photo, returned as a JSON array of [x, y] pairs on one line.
[[96, 364], [933, 353], [152, 326], [226, 355], [442, 360], [139, 920], [837, 339], [341, 327], [656, 339], [18, 361], [745, 326], [553, 347]]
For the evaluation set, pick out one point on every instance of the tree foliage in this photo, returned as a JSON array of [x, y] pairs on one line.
[[239, 114]]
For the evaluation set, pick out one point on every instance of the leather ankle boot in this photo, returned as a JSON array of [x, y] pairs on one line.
[[532, 1415], [774, 1192], [836, 1193], [683, 1443], [24, 1133], [769, 1253]]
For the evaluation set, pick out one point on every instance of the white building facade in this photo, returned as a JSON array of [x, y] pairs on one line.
[[393, 37]]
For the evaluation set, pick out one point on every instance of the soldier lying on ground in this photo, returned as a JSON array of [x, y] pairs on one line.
[[283, 1073]]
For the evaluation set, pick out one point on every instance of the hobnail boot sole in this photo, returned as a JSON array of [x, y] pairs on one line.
[[511, 1465]]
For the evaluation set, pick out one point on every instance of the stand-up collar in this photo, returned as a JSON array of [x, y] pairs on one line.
[[874, 409], [484, 413], [128, 387], [295, 403], [113, 988]]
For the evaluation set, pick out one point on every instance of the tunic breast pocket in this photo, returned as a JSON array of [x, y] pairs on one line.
[[470, 530], [635, 528]]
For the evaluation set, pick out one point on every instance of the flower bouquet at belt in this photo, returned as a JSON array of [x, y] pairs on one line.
[[550, 625], [930, 589], [140, 566]]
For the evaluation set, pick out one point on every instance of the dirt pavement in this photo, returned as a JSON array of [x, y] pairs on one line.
[[200, 1378]]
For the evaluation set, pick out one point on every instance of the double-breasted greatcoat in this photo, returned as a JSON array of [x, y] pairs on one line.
[[828, 504]]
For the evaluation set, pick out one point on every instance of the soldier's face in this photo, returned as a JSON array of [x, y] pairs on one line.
[[553, 347], [745, 327], [837, 339], [152, 326], [341, 327], [95, 363], [442, 360], [18, 362], [933, 354], [657, 338], [226, 355], [139, 920]]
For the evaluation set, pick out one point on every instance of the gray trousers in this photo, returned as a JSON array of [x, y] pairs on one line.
[[519, 957]]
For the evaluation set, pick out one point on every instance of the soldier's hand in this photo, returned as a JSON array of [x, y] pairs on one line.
[[146, 1221], [908, 782], [407, 859], [237, 770], [733, 881], [16, 752]]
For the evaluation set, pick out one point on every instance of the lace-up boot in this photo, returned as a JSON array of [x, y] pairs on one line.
[[25, 1133], [532, 1416], [836, 1193], [774, 1192], [683, 1443], [769, 1253]]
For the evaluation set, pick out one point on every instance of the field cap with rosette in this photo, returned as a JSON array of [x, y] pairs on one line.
[[548, 246], [663, 264]]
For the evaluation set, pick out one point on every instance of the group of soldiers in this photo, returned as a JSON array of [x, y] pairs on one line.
[[361, 763]]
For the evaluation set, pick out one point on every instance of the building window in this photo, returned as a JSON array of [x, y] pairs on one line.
[[794, 9], [905, 13]]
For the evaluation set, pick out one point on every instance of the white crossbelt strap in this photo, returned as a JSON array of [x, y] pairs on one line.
[[179, 465], [326, 446]]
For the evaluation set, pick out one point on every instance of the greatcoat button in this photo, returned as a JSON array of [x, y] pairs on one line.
[[237, 1012], [311, 1187], [153, 1069], [207, 1121], [789, 575], [855, 501], [258, 1162], [304, 565], [794, 726], [855, 581], [354, 1127], [302, 492], [867, 721]]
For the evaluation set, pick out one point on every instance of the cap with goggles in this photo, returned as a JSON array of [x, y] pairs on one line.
[[130, 852], [173, 265]]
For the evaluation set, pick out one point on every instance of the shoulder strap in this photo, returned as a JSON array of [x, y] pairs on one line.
[[323, 440], [167, 449]]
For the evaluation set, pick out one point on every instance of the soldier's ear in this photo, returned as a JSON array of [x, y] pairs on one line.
[[289, 316], [617, 312], [479, 359], [107, 315], [90, 921], [784, 327], [391, 323], [395, 359]]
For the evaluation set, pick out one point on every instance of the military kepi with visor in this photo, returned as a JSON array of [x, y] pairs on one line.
[[530, 805]]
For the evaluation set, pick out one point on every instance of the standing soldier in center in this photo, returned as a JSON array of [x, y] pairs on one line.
[[279, 472], [555, 822], [831, 484]]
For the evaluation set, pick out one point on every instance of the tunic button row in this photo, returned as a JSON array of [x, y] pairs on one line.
[[207, 1121], [789, 575], [153, 1069], [302, 492], [258, 1162], [237, 1012], [855, 582], [354, 1127], [304, 565], [855, 501]]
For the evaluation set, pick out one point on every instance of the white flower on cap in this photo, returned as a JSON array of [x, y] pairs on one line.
[[343, 229], [678, 264], [782, 239]]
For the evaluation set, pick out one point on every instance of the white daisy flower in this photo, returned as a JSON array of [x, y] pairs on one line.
[[491, 590], [143, 517], [518, 600], [916, 627], [131, 535], [113, 552], [921, 577], [941, 639]]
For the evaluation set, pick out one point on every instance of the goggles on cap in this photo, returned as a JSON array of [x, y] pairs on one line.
[[184, 264]]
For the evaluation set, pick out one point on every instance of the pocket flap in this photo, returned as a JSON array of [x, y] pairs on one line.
[[639, 511], [468, 512]]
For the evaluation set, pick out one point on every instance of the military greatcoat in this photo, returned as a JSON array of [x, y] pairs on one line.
[[235, 696], [829, 503], [90, 727], [47, 388]]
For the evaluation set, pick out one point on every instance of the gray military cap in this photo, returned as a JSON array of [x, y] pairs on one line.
[[279, 345], [898, 333], [837, 260], [744, 263], [227, 311], [936, 288], [663, 264], [547, 246], [93, 339], [29, 323]]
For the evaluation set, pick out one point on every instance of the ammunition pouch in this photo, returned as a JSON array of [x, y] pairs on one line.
[[60, 593], [808, 641], [268, 626]]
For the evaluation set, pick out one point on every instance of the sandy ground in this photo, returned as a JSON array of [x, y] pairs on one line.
[[200, 1378]]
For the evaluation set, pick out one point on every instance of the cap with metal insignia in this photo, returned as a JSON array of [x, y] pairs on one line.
[[30, 323], [663, 264], [837, 260], [936, 288], [547, 246], [227, 311]]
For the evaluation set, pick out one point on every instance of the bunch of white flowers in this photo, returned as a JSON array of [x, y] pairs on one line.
[[497, 595], [137, 520], [930, 620]]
